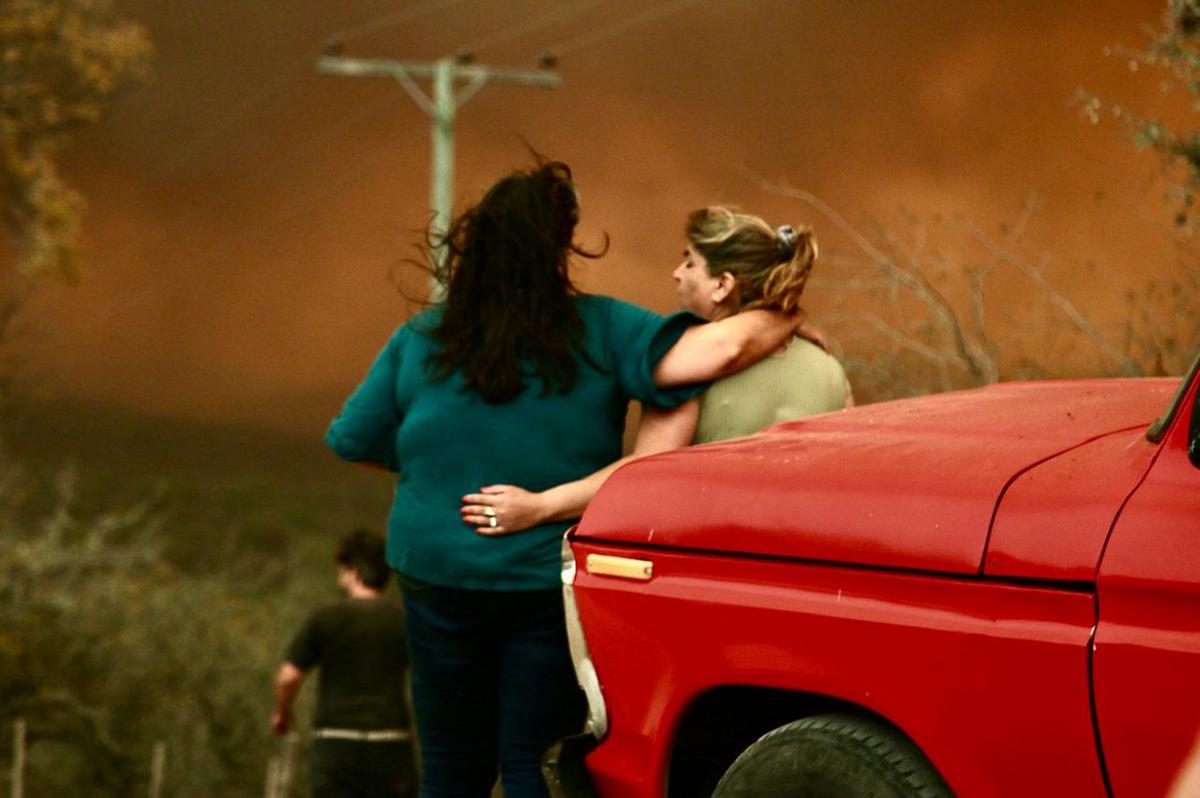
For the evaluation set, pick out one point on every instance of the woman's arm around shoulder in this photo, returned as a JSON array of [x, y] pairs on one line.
[[720, 348]]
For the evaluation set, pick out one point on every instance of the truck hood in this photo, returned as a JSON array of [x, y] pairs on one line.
[[907, 484]]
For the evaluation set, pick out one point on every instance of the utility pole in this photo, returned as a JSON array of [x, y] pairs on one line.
[[443, 107]]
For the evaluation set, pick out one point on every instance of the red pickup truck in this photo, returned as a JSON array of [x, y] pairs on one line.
[[985, 593]]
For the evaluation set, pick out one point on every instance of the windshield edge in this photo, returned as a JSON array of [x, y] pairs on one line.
[[1158, 429]]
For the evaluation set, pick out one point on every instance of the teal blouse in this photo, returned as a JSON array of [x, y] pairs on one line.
[[445, 441]]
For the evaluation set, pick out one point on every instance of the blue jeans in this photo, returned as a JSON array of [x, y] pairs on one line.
[[493, 687]]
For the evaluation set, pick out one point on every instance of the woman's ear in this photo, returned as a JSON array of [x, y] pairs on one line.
[[723, 288]]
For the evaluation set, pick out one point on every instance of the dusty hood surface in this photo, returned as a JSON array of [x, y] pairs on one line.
[[908, 484]]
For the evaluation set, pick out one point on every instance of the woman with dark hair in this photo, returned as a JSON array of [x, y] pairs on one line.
[[516, 377]]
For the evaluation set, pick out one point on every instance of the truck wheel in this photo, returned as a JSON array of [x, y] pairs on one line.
[[832, 756]]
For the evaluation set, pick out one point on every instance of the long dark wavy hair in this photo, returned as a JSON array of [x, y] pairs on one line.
[[509, 309]]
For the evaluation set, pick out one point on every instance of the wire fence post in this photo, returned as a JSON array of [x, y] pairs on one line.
[[18, 759], [271, 788], [18, 763], [158, 765], [287, 767]]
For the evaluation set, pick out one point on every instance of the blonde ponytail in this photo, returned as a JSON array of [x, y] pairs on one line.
[[785, 282], [770, 266]]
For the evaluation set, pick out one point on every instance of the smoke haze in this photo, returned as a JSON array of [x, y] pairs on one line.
[[249, 218]]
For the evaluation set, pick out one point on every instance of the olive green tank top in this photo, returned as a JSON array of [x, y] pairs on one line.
[[802, 380]]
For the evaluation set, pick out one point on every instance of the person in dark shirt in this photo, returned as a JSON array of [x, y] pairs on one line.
[[362, 743]]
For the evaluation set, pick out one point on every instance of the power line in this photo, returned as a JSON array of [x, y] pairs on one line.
[[390, 20], [529, 26], [647, 16], [256, 102]]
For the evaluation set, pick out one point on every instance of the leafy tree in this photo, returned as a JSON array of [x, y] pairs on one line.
[[1174, 51], [61, 64], [1167, 311]]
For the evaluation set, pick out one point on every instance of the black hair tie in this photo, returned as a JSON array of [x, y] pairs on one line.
[[786, 238]]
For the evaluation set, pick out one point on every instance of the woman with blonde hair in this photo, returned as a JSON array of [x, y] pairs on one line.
[[735, 262]]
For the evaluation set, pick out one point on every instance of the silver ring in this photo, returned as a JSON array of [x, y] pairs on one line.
[[490, 512], [493, 522]]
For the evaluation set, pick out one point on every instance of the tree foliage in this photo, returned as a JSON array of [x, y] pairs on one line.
[[1173, 52], [61, 64], [1168, 310]]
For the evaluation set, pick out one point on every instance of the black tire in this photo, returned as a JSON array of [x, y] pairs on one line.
[[832, 756]]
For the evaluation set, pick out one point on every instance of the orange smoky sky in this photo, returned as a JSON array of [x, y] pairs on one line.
[[249, 218]]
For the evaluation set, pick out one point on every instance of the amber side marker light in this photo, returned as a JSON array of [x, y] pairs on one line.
[[620, 567]]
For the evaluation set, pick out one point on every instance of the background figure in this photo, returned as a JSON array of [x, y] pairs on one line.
[[735, 262], [362, 742]]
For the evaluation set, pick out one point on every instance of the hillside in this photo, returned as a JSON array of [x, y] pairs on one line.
[[224, 490], [124, 440]]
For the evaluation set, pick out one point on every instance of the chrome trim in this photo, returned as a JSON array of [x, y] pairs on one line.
[[585, 671]]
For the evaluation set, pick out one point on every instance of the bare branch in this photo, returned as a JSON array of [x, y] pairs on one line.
[[816, 202], [909, 274], [1068, 309]]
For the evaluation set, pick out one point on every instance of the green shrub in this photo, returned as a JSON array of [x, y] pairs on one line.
[[108, 645]]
